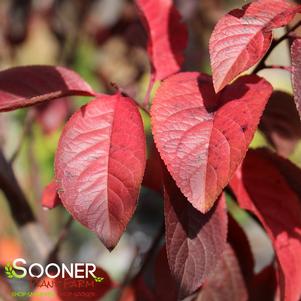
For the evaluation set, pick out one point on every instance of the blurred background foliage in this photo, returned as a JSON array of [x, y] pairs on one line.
[[104, 41]]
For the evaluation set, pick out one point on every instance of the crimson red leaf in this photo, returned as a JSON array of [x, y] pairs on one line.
[[242, 37], [167, 36], [166, 288], [194, 241], [202, 136], [264, 285], [268, 196], [100, 164], [137, 291], [290, 171], [51, 115], [26, 86], [281, 123], [50, 198], [225, 282], [296, 72], [153, 173], [241, 246]]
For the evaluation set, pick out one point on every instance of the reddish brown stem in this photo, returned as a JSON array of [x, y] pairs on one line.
[[274, 44], [152, 80]]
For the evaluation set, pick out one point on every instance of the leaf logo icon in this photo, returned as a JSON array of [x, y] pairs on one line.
[[9, 271], [98, 279]]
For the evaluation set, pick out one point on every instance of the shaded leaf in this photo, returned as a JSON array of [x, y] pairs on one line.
[[281, 124], [167, 36], [290, 171], [296, 72], [269, 197], [194, 241], [26, 86], [264, 285], [241, 246], [52, 115], [202, 136], [225, 282], [166, 288], [153, 173], [50, 197], [137, 291], [100, 163], [242, 37]]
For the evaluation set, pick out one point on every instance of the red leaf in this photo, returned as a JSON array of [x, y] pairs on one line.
[[289, 171], [264, 285], [268, 196], [242, 37], [167, 36], [100, 164], [202, 136], [296, 72], [153, 172], [51, 115], [281, 123], [166, 288], [137, 291], [241, 246], [50, 198], [26, 86], [194, 241], [225, 282]]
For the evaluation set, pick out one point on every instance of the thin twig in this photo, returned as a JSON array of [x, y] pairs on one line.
[[19, 206], [127, 278], [286, 68], [274, 44], [36, 241], [64, 232], [145, 103], [150, 253], [26, 128], [147, 258]]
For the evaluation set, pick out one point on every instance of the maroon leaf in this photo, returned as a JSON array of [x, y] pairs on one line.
[[289, 171], [137, 291], [296, 72], [225, 282], [100, 164], [167, 36], [202, 136], [268, 196], [194, 241], [242, 37], [241, 246], [264, 285], [153, 172], [281, 123], [50, 198], [26, 86], [51, 115], [166, 288]]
